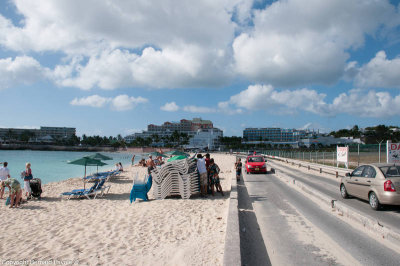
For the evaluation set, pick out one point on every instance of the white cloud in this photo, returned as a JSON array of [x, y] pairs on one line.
[[356, 102], [367, 104], [187, 44], [181, 66], [380, 72], [73, 25], [179, 44], [258, 97], [22, 70], [119, 103], [92, 101], [125, 102], [224, 107], [170, 107], [291, 44]]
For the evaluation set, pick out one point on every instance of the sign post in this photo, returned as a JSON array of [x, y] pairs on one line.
[[342, 155], [392, 152]]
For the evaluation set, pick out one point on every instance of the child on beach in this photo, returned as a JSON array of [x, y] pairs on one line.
[[214, 176]]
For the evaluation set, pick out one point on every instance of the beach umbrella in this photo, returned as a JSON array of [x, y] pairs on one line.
[[178, 157], [176, 152], [87, 161], [99, 156], [156, 154]]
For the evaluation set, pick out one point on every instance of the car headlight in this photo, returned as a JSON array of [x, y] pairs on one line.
[[250, 166]]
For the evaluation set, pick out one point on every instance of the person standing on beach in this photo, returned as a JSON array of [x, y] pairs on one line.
[[201, 167], [133, 159], [4, 174], [214, 173], [27, 178], [238, 166], [208, 173], [150, 164]]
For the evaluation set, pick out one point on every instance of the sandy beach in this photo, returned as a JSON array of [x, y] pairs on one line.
[[110, 230]]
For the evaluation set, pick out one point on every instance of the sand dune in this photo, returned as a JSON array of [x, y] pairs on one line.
[[110, 230]]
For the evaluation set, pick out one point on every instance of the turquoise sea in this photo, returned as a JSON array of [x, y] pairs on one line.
[[51, 166]]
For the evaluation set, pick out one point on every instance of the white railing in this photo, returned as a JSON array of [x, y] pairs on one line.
[[313, 166]]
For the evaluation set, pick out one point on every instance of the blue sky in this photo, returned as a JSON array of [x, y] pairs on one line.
[[113, 67]]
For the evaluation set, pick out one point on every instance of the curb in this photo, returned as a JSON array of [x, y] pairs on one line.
[[385, 233], [232, 237]]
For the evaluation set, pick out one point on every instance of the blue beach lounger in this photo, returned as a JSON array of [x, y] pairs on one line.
[[77, 192], [97, 188], [140, 190]]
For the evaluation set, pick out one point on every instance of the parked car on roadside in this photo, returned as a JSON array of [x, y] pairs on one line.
[[256, 164], [377, 183]]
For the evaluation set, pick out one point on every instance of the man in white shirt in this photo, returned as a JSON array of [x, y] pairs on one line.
[[201, 167], [4, 174]]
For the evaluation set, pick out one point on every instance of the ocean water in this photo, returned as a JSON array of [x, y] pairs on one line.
[[51, 166]]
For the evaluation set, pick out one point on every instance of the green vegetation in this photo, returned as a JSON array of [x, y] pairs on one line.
[[371, 135]]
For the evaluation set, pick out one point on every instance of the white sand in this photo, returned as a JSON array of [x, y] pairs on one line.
[[110, 230]]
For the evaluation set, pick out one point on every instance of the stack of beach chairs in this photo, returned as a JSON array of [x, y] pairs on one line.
[[176, 178]]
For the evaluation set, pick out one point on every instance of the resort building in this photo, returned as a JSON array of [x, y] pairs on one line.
[[201, 133], [275, 134], [293, 137], [43, 134], [329, 140], [206, 138]]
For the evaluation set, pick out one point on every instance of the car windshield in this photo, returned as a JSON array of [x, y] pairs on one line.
[[256, 159], [390, 171]]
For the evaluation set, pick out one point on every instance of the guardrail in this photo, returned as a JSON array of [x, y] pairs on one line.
[[312, 166], [336, 171]]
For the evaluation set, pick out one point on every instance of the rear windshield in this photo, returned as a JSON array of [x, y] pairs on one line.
[[256, 159], [390, 171]]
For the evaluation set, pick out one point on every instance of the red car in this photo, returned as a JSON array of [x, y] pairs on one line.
[[256, 164]]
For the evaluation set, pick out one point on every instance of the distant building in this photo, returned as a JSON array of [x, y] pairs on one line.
[[275, 135], [202, 131], [206, 138], [329, 140], [45, 134]]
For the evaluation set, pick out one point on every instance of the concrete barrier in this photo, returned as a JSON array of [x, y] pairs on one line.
[[232, 238], [313, 166], [387, 234]]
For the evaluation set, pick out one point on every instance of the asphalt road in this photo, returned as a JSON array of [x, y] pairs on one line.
[[389, 215], [281, 226]]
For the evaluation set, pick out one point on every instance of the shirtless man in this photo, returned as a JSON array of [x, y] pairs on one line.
[[150, 164]]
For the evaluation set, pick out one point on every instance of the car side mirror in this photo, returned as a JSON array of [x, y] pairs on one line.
[[348, 174]]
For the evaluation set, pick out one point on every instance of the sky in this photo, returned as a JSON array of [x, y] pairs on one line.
[[109, 67]]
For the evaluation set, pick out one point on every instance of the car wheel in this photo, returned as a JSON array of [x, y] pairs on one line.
[[373, 201], [343, 192]]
